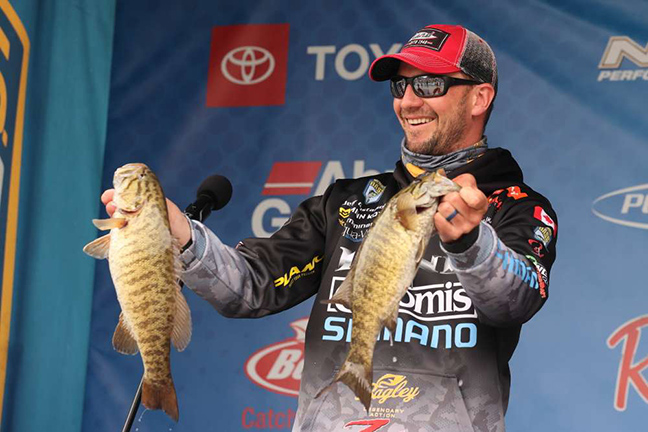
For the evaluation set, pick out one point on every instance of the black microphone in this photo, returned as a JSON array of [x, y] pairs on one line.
[[213, 194]]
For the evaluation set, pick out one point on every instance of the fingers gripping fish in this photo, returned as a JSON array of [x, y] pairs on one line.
[[144, 266], [382, 271]]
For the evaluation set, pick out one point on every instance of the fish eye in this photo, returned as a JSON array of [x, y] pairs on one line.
[[142, 175]]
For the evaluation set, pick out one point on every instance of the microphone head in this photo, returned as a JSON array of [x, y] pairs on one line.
[[218, 188]]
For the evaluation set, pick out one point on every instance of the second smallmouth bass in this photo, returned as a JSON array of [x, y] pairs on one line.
[[382, 271]]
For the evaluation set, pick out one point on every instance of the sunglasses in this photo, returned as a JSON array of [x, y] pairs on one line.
[[426, 86]]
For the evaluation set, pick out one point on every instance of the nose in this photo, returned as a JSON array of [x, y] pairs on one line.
[[410, 100]]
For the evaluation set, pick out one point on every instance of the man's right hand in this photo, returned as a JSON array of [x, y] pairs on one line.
[[180, 228]]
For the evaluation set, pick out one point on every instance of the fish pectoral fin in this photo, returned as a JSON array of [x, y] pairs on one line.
[[390, 323], [98, 248], [123, 340], [343, 295], [406, 211], [181, 334], [391, 320], [106, 224]]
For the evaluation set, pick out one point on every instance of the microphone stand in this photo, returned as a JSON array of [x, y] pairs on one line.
[[194, 212], [134, 407]]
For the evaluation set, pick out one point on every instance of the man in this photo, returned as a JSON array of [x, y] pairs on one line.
[[484, 276]]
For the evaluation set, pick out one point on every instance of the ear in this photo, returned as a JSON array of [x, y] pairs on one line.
[[483, 96]]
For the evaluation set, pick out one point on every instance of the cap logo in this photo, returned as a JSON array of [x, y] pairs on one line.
[[428, 38]]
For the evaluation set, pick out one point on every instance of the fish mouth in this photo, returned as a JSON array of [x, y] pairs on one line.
[[132, 212], [423, 203]]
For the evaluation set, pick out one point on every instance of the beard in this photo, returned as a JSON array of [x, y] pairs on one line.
[[449, 132]]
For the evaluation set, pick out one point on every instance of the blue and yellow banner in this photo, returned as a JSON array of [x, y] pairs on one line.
[[14, 61]]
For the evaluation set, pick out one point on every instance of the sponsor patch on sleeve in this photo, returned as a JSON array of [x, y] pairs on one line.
[[373, 191], [537, 247], [542, 216], [543, 276], [543, 234], [515, 193], [495, 199]]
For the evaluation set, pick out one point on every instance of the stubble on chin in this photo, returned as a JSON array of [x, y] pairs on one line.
[[439, 143], [446, 138], [430, 146]]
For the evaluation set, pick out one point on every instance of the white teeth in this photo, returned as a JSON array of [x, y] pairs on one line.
[[418, 121]]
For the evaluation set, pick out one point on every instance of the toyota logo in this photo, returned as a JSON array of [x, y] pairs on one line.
[[251, 61]]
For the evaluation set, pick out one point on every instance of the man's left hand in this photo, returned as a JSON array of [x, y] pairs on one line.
[[469, 203]]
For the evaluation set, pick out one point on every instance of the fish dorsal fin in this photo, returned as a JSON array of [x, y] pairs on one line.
[[181, 334], [123, 340], [98, 248], [106, 224], [406, 211]]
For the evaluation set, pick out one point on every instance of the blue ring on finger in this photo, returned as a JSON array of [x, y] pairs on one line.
[[452, 215]]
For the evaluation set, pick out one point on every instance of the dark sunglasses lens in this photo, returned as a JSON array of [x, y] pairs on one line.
[[397, 87], [429, 86]]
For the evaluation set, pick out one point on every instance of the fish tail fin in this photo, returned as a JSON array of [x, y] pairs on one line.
[[161, 397], [357, 378]]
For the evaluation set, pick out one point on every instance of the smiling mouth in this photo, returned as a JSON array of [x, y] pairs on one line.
[[418, 121]]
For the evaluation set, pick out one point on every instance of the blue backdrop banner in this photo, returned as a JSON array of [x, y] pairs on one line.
[[275, 96]]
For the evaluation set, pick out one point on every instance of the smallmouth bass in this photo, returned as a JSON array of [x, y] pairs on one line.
[[144, 265], [382, 271]]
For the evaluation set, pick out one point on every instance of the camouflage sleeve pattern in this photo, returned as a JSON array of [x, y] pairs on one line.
[[260, 276], [217, 273], [506, 271]]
